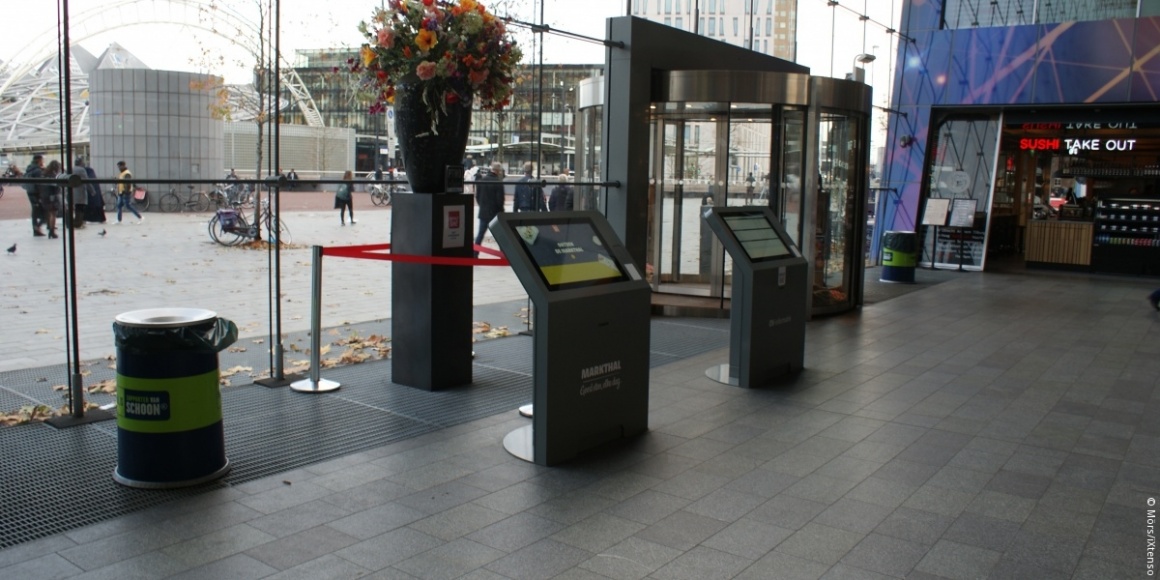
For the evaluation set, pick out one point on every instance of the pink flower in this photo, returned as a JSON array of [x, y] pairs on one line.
[[425, 70], [386, 38]]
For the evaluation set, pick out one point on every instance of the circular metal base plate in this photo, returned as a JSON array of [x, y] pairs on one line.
[[309, 386], [520, 443], [526, 410], [720, 373]]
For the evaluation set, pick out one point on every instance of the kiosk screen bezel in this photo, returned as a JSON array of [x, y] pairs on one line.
[[753, 246], [622, 273]]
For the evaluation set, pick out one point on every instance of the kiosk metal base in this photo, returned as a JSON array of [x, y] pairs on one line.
[[521, 444], [526, 410], [720, 373], [309, 386]]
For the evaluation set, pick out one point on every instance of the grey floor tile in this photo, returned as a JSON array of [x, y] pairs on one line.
[[437, 498], [915, 525], [328, 566], [387, 549], [45, 567], [451, 560], [516, 531], [787, 512], [958, 561], [238, 566], [598, 532], [885, 555], [960, 479], [144, 567], [1019, 484], [908, 472], [290, 551], [217, 545], [1009, 569], [761, 482], [784, 567], [682, 530], [725, 505], [881, 492], [1002, 506], [947, 502], [293, 520], [982, 531], [844, 572], [377, 520], [632, 559], [853, 515], [539, 561], [458, 521], [748, 538], [1096, 569], [820, 488], [850, 468], [820, 543], [692, 484], [649, 507], [702, 563]]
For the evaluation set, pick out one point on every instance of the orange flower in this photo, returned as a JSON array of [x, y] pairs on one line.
[[477, 76], [368, 55], [426, 40]]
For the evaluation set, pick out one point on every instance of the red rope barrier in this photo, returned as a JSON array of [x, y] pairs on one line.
[[377, 252]]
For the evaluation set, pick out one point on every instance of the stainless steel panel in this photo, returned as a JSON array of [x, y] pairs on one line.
[[829, 93], [590, 93], [731, 86]]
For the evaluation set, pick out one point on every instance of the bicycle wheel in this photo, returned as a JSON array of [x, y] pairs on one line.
[[283, 231], [169, 203], [219, 234], [246, 199], [376, 196], [201, 202], [218, 199]]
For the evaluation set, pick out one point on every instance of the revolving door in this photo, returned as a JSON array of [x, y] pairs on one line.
[[791, 142]]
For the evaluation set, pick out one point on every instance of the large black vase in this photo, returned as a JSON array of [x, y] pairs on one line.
[[426, 154]]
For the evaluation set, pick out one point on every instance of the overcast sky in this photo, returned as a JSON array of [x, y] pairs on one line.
[[333, 23]]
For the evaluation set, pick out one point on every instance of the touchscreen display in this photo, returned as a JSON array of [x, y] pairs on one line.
[[569, 253], [757, 237]]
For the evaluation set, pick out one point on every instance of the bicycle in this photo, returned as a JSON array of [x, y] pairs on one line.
[[172, 202], [229, 227], [240, 195], [381, 195], [110, 197]]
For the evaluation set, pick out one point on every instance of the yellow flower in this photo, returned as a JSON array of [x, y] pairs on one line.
[[426, 40], [368, 55]]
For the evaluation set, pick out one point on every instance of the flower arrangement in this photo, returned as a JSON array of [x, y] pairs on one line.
[[457, 52]]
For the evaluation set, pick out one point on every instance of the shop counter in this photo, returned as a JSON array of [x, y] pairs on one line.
[[1067, 243]]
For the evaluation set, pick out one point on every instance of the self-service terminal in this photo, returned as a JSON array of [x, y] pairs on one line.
[[769, 304], [591, 337]]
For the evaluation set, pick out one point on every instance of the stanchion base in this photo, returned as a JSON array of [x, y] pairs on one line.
[[309, 386], [273, 383], [91, 416], [117, 477], [521, 444], [526, 410], [720, 373]]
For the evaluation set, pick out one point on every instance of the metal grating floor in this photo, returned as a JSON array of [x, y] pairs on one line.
[[57, 480]]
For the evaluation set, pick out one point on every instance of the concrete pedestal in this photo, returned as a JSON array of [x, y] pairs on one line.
[[431, 305]]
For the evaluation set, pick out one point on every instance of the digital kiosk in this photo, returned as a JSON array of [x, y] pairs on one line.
[[591, 309], [769, 305]]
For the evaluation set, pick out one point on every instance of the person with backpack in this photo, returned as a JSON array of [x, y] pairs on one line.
[[529, 196], [35, 170], [343, 199]]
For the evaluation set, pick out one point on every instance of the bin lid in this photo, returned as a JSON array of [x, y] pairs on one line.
[[165, 317]]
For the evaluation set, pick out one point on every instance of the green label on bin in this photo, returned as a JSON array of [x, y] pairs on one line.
[[146, 405], [172, 405]]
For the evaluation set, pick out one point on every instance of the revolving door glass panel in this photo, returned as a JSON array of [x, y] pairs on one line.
[[715, 154], [842, 177]]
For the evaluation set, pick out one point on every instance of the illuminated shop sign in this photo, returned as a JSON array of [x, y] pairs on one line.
[[1074, 146], [1078, 126]]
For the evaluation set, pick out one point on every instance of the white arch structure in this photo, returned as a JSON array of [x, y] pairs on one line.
[[29, 96]]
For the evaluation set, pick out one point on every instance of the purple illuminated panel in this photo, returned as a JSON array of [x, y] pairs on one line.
[[1146, 74], [993, 65], [1071, 70]]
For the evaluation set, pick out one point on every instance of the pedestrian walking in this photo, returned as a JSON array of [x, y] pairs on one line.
[[125, 192], [343, 199], [50, 197], [95, 211], [489, 197], [35, 170], [78, 197], [529, 197]]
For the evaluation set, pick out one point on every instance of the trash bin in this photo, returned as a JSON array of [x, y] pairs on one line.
[[169, 409], [899, 256]]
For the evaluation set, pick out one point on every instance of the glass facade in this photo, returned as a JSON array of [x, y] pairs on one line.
[[987, 13]]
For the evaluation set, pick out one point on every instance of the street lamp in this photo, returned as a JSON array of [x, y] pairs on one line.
[[859, 73]]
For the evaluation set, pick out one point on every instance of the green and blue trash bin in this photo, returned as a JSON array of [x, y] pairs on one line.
[[169, 406], [899, 257]]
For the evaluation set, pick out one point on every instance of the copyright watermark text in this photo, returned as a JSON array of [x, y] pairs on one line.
[[1150, 537]]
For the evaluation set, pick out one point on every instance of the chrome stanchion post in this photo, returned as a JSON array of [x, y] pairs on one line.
[[315, 383]]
